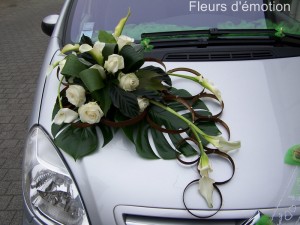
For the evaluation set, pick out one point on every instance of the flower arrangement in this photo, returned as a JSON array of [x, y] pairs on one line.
[[105, 85]]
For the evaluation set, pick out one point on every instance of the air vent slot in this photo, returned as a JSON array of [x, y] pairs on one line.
[[219, 56], [199, 57], [264, 54], [241, 55], [177, 57]]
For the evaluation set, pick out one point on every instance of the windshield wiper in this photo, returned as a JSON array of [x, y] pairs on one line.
[[211, 37], [213, 32], [220, 37]]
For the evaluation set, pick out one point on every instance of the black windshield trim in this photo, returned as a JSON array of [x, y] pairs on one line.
[[211, 32], [201, 42]]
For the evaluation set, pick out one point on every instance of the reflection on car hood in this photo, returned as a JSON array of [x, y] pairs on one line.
[[262, 109]]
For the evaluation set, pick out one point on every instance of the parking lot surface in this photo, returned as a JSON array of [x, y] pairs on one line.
[[22, 49]]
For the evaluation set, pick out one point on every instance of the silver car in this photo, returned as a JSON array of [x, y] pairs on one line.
[[250, 50]]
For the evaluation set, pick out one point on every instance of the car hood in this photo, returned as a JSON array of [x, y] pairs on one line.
[[262, 109]]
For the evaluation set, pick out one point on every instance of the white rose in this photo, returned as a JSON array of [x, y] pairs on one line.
[[143, 103], [124, 40], [65, 115], [114, 63], [128, 82], [90, 113], [76, 95]]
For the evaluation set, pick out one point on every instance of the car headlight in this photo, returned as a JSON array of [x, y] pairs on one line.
[[49, 189]]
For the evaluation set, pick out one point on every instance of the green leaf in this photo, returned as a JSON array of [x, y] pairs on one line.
[[92, 79], [77, 142], [107, 133], [109, 49], [146, 44], [164, 77], [55, 109], [143, 147], [180, 92], [56, 128], [150, 80], [165, 118], [140, 133], [73, 66], [170, 121], [209, 128], [128, 130], [102, 96], [163, 148], [133, 60], [138, 48], [185, 148], [88, 58], [86, 40], [198, 105], [125, 101], [106, 37], [150, 94]]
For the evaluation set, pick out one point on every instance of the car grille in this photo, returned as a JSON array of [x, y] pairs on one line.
[[145, 220], [141, 220]]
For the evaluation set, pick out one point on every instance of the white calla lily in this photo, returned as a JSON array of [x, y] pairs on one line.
[[95, 51], [204, 165], [85, 48], [206, 189], [222, 144], [121, 24], [62, 64], [99, 46], [65, 115], [204, 82], [124, 40], [210, 86], [52, 67], [70, 47]]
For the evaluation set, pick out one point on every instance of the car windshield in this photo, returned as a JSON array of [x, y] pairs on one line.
[[89, 16]]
